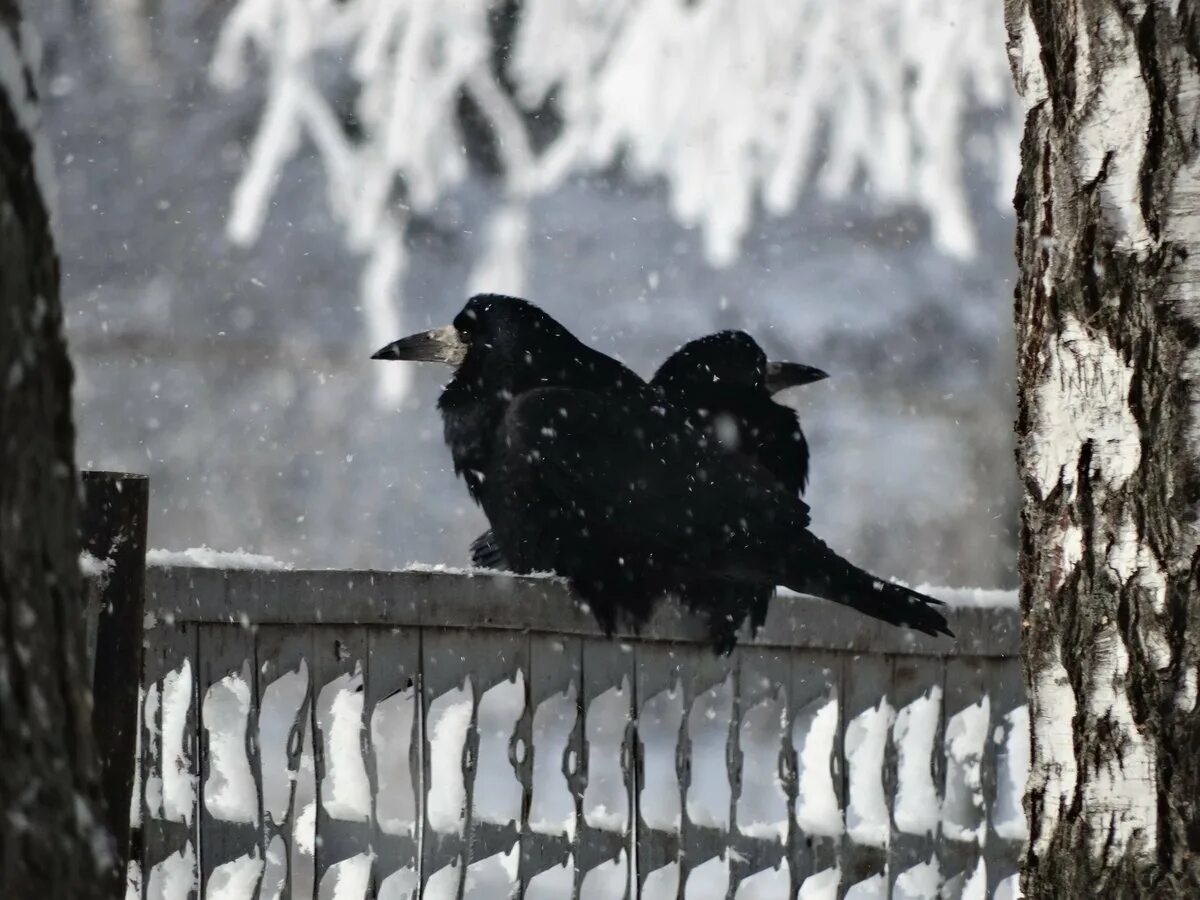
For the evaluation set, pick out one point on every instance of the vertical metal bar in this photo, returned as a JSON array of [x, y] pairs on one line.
[[226, 835], [173, 649], [916, 686], [555, 666], [1002, 851], [392, 669], [763, 689], [339, 654], [967, 737]]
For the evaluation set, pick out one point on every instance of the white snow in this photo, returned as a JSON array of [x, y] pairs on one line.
[[658, 730], [449, 720], [1009, 889], [229, 792], [767, 884], [813, 734], [152, 735], [962, 597], [280, 706], [962, 811], [554, 883], [1055, 769], [918, 808], [762, 806], [709, 880], [1012, 771], [552, 810], [472, 571], [345, 789], [975, 887], [494, 876], [391, 741], [178, 783], [275, 870], [236, 879], [873, 888], [498, 792], [1085, 396], [304, 829], [921, 882], [821, 885], [349, 878], [606, 881], [708, 794], [207, 558], [867, 820], [400, 885], [443, 884], [175, 877], [662, 882], [605, 799], [91, 567]]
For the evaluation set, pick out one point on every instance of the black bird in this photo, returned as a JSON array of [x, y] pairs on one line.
[[585, 470], [725, 384]]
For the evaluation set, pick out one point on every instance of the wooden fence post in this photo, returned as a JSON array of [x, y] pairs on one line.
[[113, 530]]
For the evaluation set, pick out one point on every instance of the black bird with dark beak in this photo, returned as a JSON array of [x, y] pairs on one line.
[[725, 384], [585, 470]]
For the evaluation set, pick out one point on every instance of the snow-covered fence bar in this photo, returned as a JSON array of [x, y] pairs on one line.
[[442, 735]]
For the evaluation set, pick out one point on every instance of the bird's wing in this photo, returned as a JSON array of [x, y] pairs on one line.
[[630, 465]]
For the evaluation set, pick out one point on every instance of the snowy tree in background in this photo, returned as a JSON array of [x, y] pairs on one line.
[[52, 842], [1108, 240], [732, 103]]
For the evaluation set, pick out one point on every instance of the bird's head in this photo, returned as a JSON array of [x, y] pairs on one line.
[[501, 344], [731, 358]]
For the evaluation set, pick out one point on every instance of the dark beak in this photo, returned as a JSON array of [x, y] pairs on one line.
[[440, 345], [784, 375]]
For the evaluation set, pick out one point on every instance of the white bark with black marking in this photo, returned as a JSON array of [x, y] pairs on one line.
[[1108, 323]]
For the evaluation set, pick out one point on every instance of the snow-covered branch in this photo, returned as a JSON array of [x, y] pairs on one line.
[[734, 104]]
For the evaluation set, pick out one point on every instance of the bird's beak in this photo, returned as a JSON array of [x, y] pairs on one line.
[[440, 345], [784, 375]]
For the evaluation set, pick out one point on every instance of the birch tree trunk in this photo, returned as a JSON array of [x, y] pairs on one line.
[[52, 841], [1108, 321]]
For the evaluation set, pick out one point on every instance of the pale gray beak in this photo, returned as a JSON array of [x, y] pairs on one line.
[[784, 375], [440, 345]]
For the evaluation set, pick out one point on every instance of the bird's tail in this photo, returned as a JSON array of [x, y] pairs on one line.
[[814, 569], [486, 553]]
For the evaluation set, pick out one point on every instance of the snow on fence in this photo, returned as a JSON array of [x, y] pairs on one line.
[[420, 734]]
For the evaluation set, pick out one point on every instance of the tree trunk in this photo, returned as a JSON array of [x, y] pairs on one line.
[[52, 842], [1108, 321]]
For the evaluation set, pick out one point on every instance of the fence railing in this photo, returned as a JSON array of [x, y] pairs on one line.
[[402, 735]]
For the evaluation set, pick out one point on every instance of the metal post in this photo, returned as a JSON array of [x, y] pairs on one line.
[[113, 526]]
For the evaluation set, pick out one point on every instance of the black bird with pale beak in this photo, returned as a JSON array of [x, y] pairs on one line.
[[585, 470]]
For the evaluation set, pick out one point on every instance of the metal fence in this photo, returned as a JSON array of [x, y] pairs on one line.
[[403, 735]]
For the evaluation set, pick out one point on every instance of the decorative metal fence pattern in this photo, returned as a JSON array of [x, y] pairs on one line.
[[402, 735]]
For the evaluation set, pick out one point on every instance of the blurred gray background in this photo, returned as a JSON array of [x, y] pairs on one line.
[[239, 379]]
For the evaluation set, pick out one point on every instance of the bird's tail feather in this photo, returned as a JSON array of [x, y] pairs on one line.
[[815, 569], [486, 553]]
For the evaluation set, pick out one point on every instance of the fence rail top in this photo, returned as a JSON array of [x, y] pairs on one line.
[[430, 599]]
